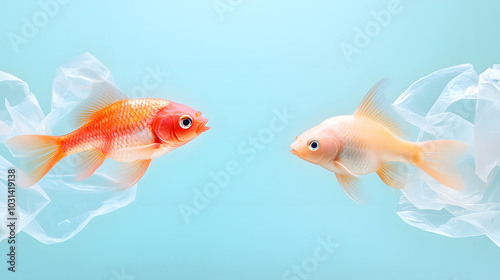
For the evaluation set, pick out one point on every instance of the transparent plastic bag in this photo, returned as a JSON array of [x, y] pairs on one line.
[[456, 103], [56, 208]]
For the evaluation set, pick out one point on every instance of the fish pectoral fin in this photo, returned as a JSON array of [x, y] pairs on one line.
[[350, 186], [88, 163], [375, 107], [344, 169], [127, 174], [140, 152], [101, 95], [393, 174]]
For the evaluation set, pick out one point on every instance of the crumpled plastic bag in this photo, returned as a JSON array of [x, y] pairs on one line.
[[56, 208], [456, 103]]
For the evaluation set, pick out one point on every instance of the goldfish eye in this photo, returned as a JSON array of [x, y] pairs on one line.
[[185, 121], [313, 145]]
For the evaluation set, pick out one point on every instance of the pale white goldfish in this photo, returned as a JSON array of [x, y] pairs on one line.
[[368, 141]]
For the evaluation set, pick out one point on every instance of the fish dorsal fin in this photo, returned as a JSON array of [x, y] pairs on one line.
[[374, 107], [101, 95]]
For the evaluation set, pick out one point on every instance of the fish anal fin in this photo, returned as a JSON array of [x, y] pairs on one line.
[[394, 174], [127, 174], [376, 108], [350, 186], [101, 95], [88, 163]]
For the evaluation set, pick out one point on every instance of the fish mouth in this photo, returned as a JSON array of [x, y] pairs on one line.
[[203, 127], [295, 152]]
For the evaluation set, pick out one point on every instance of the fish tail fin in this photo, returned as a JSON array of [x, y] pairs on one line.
[[438, 159], [42, 152]]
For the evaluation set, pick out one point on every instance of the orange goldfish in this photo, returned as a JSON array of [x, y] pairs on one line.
[[131, 131], [368, 141]]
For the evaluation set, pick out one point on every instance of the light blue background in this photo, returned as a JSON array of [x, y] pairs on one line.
[[264, 55]]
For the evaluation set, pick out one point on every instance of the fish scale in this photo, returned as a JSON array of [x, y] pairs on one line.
[[357, 134], [131, 131], [367, 142], [123, 124]]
